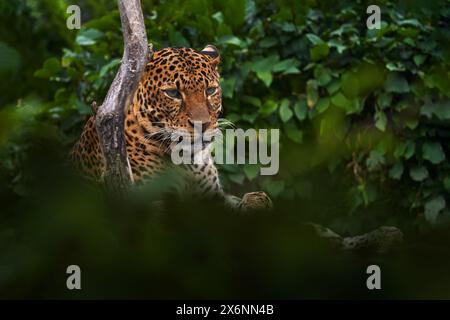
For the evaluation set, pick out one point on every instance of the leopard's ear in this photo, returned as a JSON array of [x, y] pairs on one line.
[[212, 51]]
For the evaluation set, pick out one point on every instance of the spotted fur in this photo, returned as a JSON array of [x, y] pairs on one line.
[[179, 86]]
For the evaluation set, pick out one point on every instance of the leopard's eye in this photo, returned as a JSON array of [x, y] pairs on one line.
[[211, 90], [173, 93]]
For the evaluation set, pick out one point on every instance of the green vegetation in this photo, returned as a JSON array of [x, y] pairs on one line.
[[364, 116]]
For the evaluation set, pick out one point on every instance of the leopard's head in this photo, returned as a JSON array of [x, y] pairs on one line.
[[179, 91]]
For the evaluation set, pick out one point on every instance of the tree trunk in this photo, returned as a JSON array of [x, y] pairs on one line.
[[110, 115]]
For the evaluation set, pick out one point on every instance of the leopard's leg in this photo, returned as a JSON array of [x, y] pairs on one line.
[[86, 154], [207, 183], [382, 239], [257, 200]]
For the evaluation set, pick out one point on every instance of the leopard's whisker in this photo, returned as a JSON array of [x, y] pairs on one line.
[[222, 123]]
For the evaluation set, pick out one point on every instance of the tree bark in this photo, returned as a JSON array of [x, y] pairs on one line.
[[110, 115]]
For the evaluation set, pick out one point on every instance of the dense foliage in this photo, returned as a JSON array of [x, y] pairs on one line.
[[372, 104], [364, 114]]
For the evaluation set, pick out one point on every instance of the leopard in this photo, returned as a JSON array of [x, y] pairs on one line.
[[179, 90]]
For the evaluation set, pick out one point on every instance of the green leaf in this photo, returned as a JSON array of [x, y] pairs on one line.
[[396, 171], [433, 207], [410, 149], [228, 85], [350, 84], [322, 75], [396, 83], [61, 95], [375, 161], [50, 68], [265, 76], [399, 150], [446, 183], [285, 112], [380, 120], [320, 51], [322, 104], [418, 173], [340, 101], [312, 95], [354, 107], [340, 47], [275, 187], [268, 108], [9, 57], [176, 39], [237, 178], [232, 40], [87, 37], [230, 168], [410, 22], [233, 117], [409, 41], [384, 100], [287, 27], [395, 66], [315, 40], [333, 87], [218, 16], [234, 12], [293, 132], [82, 107], [52, 65], [301, 110], [343, 29], [291, 70], [438, 78], [251, 171], [419, 59], [433, 152], [285, 65], [268, 42], [439, 109], [254, 101], [264, 64], [250, 117], [411, 123], [428, 109]]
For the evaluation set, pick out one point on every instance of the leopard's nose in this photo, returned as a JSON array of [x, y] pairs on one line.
[[199, 124]]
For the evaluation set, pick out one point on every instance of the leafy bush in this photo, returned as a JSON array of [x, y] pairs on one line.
[[364, 113]]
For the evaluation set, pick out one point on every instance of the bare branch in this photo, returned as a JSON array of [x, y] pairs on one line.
[[110, 115]]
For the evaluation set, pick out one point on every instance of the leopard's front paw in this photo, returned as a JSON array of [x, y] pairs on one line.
[[258, 200], [233, 202]]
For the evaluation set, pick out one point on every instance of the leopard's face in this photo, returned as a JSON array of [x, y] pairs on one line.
[[179, 91]]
